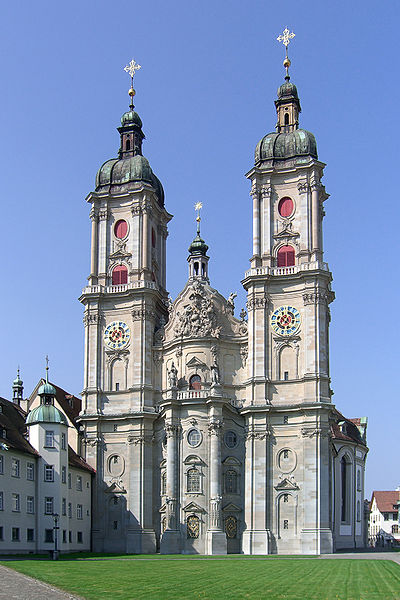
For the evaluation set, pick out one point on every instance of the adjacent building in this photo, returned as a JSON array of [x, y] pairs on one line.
[[384, 527]]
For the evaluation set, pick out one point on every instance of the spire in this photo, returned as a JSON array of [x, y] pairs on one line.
[[198, 259], [18, 389], [131, 124], [288, 103], [47, 392]]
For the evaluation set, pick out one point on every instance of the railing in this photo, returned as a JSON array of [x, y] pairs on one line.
[[192, 394], [309, 266], [117, 289]]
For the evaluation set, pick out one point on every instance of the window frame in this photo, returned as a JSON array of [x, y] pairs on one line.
[[49, 437]]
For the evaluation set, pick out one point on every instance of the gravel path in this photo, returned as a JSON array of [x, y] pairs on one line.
[[15, 586]]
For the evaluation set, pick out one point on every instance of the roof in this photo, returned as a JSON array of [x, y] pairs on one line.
[[12, 419], [386, 500], [76, 461], [46, 413], [70, 404], [350, 430]]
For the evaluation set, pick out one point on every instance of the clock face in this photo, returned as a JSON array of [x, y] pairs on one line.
[[286, 320], [117, 335]]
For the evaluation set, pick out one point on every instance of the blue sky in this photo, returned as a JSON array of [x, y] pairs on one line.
[[205, 93]]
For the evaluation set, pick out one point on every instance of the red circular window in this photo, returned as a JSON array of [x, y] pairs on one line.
[[285, 207], [121, 229]]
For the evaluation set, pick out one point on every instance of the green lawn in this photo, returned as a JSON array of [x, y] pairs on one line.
[[213, 579]]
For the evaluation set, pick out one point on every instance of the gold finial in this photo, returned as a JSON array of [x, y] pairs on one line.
[[131, 68], [198, 206], [285, 37]]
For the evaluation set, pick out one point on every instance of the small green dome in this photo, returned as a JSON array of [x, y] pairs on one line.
[[280, 146], [198, 246], [46, 413], [131, 118], [46, 389], [287, 90], [123, 171], [18, 381]]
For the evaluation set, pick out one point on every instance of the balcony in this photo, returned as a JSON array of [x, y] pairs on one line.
[[309, 266], [118, 289]]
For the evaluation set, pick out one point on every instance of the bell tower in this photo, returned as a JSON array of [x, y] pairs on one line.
[[125, 300], [288, 399]]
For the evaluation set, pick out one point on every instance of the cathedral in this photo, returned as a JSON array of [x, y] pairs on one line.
[[208, 433]]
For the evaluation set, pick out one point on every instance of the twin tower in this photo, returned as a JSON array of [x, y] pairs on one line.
[[212, 434]]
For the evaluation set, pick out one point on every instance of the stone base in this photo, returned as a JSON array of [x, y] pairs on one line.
[[141, 542], [316, 541], [216, 542], [255, 541], [170, 542]]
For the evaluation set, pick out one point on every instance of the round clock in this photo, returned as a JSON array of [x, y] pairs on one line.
[[117, 335], [285, 320]]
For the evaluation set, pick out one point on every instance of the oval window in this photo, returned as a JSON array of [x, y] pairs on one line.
[[285, 207], [194, 438], [230, 439], [121, 229]]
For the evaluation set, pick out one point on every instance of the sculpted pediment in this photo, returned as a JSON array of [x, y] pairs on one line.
[[231, 508], [193, 507], [201, 312], [116, 488], [231, 460], [286, 484], [194, 362]]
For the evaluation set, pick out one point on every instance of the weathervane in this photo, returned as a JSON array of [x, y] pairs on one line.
[[285, 38], [198, 206], [131, 68]]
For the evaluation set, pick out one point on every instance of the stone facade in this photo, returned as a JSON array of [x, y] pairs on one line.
[[211, 434]]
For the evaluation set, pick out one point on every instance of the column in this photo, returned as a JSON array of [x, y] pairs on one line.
[[256, 225], [94, 249], [315, 219], [216, 538], [170, 540], [145, 240]]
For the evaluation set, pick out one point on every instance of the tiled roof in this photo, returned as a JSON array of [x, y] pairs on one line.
[[386, 500], [76, 461], [70, 404], [346, 429], [12, 419]]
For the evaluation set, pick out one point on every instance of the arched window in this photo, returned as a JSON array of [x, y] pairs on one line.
[[193, 480], [231, 482], [286, 119], [343, 481], [358, 480], [127, 144], [153, 237], [193, 526], [286, 256], [196, 268], [358, 511], [119, 275], [195, 382], [164, 483]]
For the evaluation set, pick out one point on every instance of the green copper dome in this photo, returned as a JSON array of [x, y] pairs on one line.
[[287, 89], [280, 146], [131, 118], [120, 173], [198, 246], [46, 413], [46, 389]]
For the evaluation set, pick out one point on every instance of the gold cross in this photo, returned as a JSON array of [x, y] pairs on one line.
[[285, 37]]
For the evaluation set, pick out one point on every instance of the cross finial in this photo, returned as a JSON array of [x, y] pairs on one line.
[[198, 206], [47, 368], [131, 68], [285, 38]]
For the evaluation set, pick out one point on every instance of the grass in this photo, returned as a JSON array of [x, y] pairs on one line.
[[211, 579]]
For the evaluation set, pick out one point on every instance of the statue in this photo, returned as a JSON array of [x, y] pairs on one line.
[[231, 302], [173, 376], [215, 378]]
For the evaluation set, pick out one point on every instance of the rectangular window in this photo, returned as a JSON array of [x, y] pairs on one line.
[[48, 536], [79, 483], [63, 474], [16, 504], [15, 534], [79, 511], [79, 537], [64, 507], [30, 535], [63, 441], [395, 529], [15, 467], [48, 473], [48, 505], [1, 533], [30, 505], [70, 537], [70, 510], [64, 538], [386, 516], [1, 465], [1, 500], [285, 420], [69, 481], [30, 471], [286, 376], [49, 439]]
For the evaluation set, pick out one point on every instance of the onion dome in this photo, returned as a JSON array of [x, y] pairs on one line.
[[46, 413], [46, 389], [198, 246], [280, 146]]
